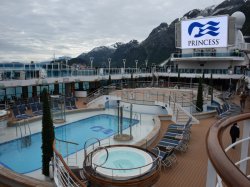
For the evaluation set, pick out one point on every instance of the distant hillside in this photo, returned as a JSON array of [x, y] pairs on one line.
[[160, 43]]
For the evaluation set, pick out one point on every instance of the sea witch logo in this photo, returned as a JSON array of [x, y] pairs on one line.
[[208, 28], [205, 32]]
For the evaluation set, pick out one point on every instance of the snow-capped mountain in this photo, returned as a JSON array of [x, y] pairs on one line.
[[160, 43]]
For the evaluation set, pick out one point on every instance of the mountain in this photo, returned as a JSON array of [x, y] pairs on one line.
[[160, 43]]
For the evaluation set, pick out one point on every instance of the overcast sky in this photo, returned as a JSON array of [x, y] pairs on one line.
[[32, 30]]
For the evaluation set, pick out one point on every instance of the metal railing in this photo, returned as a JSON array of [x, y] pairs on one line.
[[207, 54], [63, 176], [25, 132], [219, 162], [113, 172], [219, 180], [70, 153]]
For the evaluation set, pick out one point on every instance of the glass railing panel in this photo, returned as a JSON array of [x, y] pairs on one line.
[[206, 54]]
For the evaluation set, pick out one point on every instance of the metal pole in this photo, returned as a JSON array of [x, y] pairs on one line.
[[109, 61], [130, 124], [136, 62], [121, 116], [124, 64], [91, 62]]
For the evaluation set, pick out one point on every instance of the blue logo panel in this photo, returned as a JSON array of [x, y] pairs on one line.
[[209, 28]]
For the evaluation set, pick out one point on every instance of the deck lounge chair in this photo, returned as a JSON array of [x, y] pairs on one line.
[[35, 110], [232, 108], [73, 103], [167, 157], [182, 135], [180, 127], [178, 145], [39, 107], [18, 115], [22, 109], [221, 114]]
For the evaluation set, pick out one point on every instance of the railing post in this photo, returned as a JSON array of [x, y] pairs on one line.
[[245, 144], [67, 149], [211, 175]]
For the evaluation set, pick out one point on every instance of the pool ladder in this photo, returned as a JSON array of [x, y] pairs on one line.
[[25, 133]]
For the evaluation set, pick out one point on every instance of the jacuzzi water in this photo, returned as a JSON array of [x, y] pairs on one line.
[[25, 158], [122, 162]]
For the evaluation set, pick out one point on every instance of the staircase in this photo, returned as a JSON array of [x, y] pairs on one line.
[[180, 116]]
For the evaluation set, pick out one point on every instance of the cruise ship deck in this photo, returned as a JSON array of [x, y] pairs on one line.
[[191, 167]]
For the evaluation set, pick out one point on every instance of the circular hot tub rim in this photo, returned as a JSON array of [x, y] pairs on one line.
[[92, 174], [122, 173]]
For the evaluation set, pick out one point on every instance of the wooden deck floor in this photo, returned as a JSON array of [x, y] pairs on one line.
[[191, 167]]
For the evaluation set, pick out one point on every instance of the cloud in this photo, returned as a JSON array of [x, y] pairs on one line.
[[35, 30]]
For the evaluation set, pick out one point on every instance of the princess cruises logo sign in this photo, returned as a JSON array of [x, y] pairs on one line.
[[204, 33], [208, 28]]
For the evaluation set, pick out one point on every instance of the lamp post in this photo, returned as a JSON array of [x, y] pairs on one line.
[[67, 67], [109, 61], [146, 64], [169, 71], [136, 62], [230, 72], [91, 61], [124, 63]]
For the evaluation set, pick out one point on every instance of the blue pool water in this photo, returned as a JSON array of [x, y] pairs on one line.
[[122, 159], [27, 159]]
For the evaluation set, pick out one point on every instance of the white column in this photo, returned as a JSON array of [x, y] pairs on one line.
[[211, 175], [245, 144]]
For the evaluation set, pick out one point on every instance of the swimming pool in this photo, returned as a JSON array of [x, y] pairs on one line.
[[27, 159]]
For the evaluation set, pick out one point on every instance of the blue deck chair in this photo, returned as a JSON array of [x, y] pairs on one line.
[[30, 100], [232, 108], [182, 135], [39, 107], [22, 109], [178, 145], [167, 158], [67, 104], [73, 103], [34, 109], [180, 127], [221, 114], [17, 114]]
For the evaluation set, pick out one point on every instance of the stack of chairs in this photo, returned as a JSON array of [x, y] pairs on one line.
[[177, 136], [228, 109]]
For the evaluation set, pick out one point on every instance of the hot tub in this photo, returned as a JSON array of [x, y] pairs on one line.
[[122, 162]]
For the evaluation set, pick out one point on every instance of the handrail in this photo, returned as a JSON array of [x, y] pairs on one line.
[[66, 166], [100, 166], [157, 159], [66, 141], [226, 169]]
